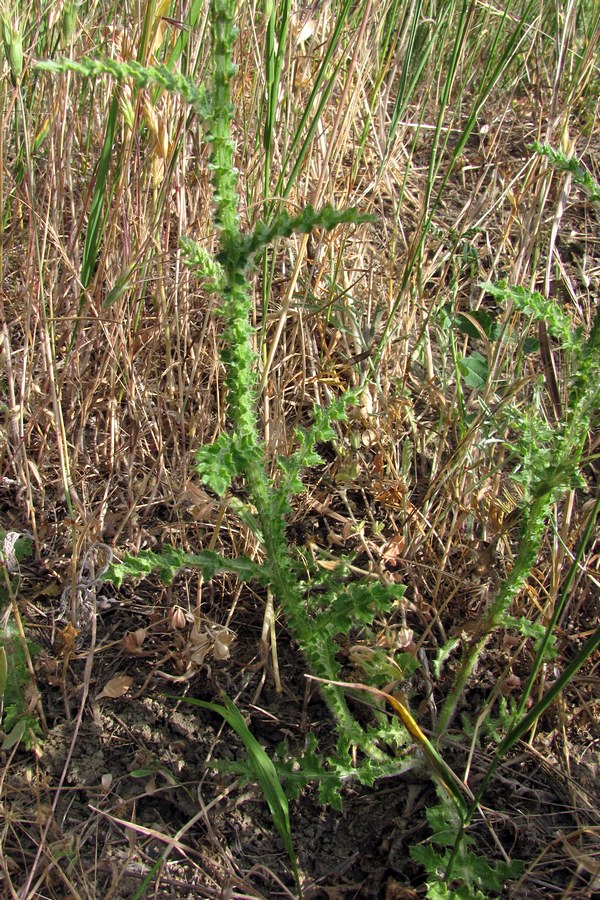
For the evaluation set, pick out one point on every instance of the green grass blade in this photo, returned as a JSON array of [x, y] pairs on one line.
[[585, 653], [3, 674], [323, 83], [147, 28], [95, 227], [412, 68], [183, 38], [528, 721], [559, 607], [273, 64], [263, 769]]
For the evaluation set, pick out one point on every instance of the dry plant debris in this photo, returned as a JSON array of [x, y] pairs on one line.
[[111, 380]]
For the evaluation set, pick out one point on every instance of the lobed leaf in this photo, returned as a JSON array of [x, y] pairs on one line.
[[283, 225], [142, 76], [171, 560], [541, 309]]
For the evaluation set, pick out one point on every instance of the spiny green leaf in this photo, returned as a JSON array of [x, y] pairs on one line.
[[206, 267], [571, 164], [454, 869], [534, 630], [170, 560], [284, 225], [143, 76], [541, 309], [217, 464]]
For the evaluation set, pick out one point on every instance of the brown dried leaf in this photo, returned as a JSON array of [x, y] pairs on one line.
[[202, 646], [201, 505], [223, 638], [116, 687], [393, 549], [65, 644], [329, 564], [133, 640]]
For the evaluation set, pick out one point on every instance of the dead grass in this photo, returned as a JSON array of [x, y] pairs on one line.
[[108, 389]]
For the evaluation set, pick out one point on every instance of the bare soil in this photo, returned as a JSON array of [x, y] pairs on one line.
[[120, 794]]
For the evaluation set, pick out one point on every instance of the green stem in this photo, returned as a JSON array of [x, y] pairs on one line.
[[559, 607], [531, 539], [240, 362]]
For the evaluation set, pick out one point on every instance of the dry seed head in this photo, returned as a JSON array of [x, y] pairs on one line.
[[126, 105], [177, 618], [121, 42]]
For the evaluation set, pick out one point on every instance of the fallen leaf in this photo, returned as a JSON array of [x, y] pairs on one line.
[[393, 549], [65, 644], [329, 564], [116, 687], [223, 638], [396, 891], [202, 645], [133, 640]]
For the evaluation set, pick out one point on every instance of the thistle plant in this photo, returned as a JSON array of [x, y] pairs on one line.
[[240, 452], [547, 463], [19, 703], [573, 166]]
